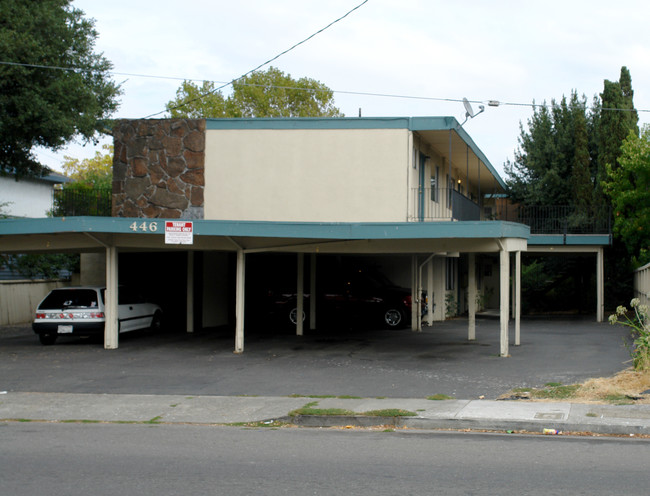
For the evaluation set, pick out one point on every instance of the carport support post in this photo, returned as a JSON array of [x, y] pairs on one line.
[[189, 325], [600, 287], [300, 304], [415, 299], [517, 298], [239, 301], [312, 292], [504, 287], [111, 326], [471, 297]]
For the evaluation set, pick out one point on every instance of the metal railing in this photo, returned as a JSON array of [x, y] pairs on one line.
[[72, 202], [429, 204], [439, 204], [558, 219]]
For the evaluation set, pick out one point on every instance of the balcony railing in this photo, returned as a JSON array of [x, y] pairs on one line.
[[558, 219], [429, 204], [71, 202]]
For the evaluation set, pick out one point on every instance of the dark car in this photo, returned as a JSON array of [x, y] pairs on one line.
[[350, 298]]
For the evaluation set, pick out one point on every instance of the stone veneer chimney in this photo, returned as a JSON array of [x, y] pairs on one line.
[[158, 168]]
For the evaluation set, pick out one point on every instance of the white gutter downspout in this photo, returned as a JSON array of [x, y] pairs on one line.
[[504, 273]]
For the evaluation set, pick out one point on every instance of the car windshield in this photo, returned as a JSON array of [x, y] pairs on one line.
[[69, 298]]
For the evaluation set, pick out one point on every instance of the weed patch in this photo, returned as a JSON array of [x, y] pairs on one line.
[[440, 397], [558, 392], [320, 411], [389, 412]]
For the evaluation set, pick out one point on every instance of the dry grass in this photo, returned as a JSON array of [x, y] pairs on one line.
[[626, 387], [625, 384]]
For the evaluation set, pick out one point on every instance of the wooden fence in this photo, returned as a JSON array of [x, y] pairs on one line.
[[18, 299], [642, 284]]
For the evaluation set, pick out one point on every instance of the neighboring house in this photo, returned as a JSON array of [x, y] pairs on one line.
[[24, 198], [28, 196], [415, 193]]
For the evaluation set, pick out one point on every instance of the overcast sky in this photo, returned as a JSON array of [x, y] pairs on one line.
[[511, 51]]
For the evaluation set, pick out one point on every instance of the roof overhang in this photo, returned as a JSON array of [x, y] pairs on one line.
[[94, 234]]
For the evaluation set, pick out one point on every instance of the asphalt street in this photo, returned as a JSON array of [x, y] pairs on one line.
[[109, 459], [366, 363]]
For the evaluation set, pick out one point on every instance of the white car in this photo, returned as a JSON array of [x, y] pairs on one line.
[[79, 311]]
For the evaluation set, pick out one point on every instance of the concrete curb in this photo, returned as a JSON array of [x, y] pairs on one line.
[[487, 415], [325, 421]]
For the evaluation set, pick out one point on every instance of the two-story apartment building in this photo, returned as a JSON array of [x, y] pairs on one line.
[[415, 191]]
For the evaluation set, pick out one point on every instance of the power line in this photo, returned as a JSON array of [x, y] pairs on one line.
[[492, 103], [264, 63]]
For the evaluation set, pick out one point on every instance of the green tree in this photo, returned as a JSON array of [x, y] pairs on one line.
[[41, 105], [270, 93], [197, 102], [96, 172], [628, 186], [44, 265], [553, 161], [617, 118], [563, 158], [90, 192]]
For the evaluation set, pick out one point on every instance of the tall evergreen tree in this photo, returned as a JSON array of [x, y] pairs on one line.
[[617, 119], [553, 162], [625, 80], [563, 158], [581, 182]]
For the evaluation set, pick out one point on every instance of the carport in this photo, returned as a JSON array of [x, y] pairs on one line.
[[422, 241]]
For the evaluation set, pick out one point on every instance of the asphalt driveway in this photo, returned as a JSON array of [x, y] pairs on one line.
[[365, 363]]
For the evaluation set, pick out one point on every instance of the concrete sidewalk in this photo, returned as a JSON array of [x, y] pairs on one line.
[[448, 414]]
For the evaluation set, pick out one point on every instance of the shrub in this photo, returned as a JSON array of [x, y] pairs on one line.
[[639, 325]]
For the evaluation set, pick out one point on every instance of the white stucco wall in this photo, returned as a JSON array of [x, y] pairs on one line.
[[351, 175], [26, 197]]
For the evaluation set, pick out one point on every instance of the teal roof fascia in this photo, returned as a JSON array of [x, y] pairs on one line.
[[311, 230], [273, 123], [569, 240]]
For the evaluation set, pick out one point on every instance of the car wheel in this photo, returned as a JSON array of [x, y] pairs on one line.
[[156, 322], [293, 316], [47, 339], [393, 318]]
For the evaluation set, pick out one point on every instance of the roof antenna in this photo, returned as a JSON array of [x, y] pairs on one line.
[[469, 111]]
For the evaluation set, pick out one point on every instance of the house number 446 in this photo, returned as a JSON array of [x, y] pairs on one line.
[[144, 226]]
